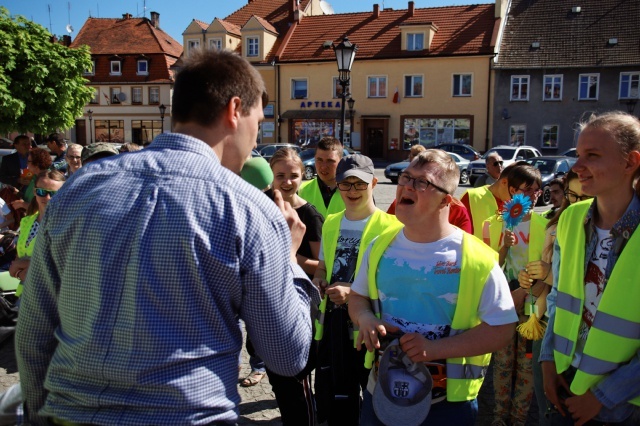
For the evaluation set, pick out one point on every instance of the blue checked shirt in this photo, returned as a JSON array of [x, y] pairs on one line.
[[144, 264]]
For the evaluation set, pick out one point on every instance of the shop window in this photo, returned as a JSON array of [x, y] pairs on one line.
[[109, 131], [144, 131], [432, 132], [309, 132]]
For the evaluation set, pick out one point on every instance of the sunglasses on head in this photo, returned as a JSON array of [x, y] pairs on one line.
[[41, 192]]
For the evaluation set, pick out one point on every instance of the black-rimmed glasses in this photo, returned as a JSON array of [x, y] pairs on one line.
[[572, 197], [359, 186], [419, 184]]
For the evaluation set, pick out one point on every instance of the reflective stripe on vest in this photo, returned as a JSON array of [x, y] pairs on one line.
[[483, 205], [377, 223], [536, 234], [310, 191], [464, 374], [25, 229], [614, 337]]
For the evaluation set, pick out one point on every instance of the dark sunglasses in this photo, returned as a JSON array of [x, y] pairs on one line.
[[41, 192], [498, 163]]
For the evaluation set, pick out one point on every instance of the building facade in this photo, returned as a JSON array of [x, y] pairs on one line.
[[131, 78]]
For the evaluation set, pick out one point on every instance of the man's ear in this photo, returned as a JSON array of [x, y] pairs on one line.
[[448, 199], [232, 112], [374, 182]]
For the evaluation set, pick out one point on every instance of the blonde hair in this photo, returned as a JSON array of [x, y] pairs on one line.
[[74, 147], [286, 154], [415, 150], [448, 171]]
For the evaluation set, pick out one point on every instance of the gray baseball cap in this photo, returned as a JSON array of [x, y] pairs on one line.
[[357, 165]]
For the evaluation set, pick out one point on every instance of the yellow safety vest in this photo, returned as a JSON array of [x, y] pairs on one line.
[[536, 235], [483, 205], [614, 337], [21, 247], [464, 374], [378, 223], [310, 191]]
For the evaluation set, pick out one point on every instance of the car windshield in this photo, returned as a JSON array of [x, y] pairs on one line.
[[505, 153], [545, 166], [307, 154]]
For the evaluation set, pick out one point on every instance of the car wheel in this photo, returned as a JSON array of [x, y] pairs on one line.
[[394, 180], [472, 180], [309, 172], [545, 198], [464, 177]]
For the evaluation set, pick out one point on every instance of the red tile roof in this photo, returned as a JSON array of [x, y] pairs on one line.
[[231, 28], [569, 39], [462, 30], [110, 36], [274, 11], [203, 25], [267, 26]]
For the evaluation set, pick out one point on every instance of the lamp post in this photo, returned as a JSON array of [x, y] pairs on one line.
[[351, 102], [345, 54], [162, 109], [90, 114]]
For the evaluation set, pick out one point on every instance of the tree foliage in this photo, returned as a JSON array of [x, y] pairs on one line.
[[41, 84]]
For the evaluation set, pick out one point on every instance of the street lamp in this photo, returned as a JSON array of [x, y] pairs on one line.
[[351, 102], [345, 54], [90, 114], [162, 109]]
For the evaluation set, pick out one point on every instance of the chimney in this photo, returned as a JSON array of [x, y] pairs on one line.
[[155, 19], [126, 16], [412, 9], [66, 40], [292, 10], [376, 10]]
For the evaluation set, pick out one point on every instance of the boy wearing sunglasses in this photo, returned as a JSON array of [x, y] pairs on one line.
[[345, 236]]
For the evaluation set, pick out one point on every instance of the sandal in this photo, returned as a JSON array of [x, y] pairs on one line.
[[252, 379]]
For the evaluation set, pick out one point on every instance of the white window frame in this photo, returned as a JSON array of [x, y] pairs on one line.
[[92, 70], [146, 66], [554, 79], [113, 95], [524, 134], [589, 76], [634, 78], [151, 90], [412, 85], [378, 79], [116, 67], [519, 81], [192, 44], [293, 83], [412, 39], [546, 131], [253, 47], [215, 43], [96, 96], [460, 85], [135, 89]]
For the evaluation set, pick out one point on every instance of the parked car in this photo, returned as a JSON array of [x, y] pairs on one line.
[[551, 167], [308, 157], [393, 170], [510, 154], [6, 147], [255, 153], [465, 151], [267, 150], [570, 153]]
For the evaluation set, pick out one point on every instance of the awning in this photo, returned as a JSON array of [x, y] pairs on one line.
[[305, 114]]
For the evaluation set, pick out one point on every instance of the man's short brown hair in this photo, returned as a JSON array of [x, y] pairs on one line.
[[329, 143], [448, 172], [208, 80]]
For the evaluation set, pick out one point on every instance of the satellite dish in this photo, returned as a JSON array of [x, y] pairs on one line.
[[122, 96], [69, 28], [326, 8]]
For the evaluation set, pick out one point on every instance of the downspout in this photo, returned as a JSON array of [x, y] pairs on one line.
[[278, 119], [276, 60], [489, 115]]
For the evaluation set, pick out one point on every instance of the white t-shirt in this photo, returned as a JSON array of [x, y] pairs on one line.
[[418, 286], [347, 249], [518, 254], [594, 282]]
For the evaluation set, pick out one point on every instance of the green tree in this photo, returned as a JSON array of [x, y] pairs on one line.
[[41, 83]]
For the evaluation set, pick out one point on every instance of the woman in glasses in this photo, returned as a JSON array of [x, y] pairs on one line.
[[47, 183], [540, 271], [38, 161], [590, 354], [74, 159]]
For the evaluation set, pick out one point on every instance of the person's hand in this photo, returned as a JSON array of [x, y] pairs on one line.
[[338, 292], [583, 407], [24, 181], [370, 328], [296, 226], [322, 285], [519, 296], [538, 269], [509, 238], [19, 204], [552, 382], [19, 267], [524, 279], [418, 347]]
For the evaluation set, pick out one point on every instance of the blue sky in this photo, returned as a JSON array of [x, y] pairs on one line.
[[175, 16]]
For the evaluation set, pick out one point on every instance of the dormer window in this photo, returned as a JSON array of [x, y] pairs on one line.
[[92, 70], [193, 44], [415, 41], [143, 67], [116, 68], [215, 43], [253, 48]]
